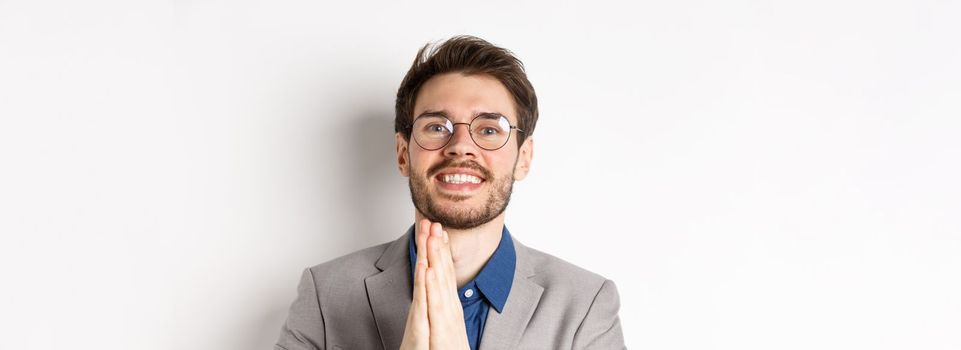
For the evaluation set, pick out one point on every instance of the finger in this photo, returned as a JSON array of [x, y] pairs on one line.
[[443, 258], [432, 238], [420, 287], [435, 255], [438, 253], [447, 262], [435, 318], [420, 292], [417, 330], [446, 319], [443, 300], [433, 292], [420, 239], [442, 266], [439, 304]]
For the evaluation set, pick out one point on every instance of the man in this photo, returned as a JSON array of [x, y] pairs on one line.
[[457, 279]]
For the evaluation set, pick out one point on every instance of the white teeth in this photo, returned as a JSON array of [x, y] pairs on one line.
[[461, 178]]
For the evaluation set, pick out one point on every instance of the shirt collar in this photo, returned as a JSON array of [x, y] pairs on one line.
[[496, 278]]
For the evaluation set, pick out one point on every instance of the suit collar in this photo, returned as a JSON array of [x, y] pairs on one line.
[[390, 292], [396, 253], [495, 280], [525, 266], [504, 330]]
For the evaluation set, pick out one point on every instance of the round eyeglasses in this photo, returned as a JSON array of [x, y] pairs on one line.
[[489, 131]]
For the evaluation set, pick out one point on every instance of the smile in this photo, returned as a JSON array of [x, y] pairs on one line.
[[460, 178]]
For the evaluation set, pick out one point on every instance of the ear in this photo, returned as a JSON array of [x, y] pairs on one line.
[[524, 157], [403, 162]]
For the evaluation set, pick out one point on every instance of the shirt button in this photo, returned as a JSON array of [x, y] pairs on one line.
[[468, 293]]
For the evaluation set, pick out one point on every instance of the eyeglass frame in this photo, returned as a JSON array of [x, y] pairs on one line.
[[469, 132]]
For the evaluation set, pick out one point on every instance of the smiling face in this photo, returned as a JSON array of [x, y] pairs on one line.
[[461, 185]]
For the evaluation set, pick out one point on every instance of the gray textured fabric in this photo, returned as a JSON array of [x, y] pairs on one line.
[[360, 301]]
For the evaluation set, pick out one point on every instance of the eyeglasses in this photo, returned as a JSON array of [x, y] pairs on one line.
[[489, 131]]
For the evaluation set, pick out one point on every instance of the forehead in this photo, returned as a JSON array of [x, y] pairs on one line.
[[462, 96]]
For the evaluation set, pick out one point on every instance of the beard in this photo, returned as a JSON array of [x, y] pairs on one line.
[[498, 195]]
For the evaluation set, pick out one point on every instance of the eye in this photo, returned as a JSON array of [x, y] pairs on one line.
[[436, 128], [489, 131]]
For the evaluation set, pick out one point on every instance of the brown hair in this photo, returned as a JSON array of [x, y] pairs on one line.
[[467, 55]]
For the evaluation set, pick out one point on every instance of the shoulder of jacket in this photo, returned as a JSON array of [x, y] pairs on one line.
[[358, 264], [552, 272]]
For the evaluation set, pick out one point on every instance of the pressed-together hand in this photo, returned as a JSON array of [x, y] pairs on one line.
[[435, 319], [417, 330]]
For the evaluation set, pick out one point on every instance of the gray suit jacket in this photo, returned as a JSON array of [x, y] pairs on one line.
[[360, 301]]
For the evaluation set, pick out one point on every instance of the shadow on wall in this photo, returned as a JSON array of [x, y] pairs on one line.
[[377, 193], [371, 200]]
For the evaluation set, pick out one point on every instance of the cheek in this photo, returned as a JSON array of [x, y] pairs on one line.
[[502, 164], [420, 162]]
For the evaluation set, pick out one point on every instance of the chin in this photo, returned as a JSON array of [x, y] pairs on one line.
[[454, 199]]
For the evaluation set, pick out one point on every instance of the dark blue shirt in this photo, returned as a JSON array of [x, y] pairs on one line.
[[488, 290]]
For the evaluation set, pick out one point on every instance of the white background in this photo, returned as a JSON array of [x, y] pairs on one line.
[[751, 174]]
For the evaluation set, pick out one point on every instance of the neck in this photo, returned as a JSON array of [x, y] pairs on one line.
[[471, 248]]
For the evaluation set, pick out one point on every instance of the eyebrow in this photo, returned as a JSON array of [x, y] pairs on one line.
[[428, 112], [443, 113]]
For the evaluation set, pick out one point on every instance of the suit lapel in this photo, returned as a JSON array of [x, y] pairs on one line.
[[389, 292], [504, 330]]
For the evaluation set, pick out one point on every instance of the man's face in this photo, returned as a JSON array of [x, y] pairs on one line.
[[444, 183]]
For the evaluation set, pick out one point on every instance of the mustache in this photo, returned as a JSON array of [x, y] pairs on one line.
[[450, 163]]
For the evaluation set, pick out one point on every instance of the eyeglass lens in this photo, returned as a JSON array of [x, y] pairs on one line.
[[489, 132]]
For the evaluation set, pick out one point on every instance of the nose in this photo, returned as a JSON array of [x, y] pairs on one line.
[[461, 144]]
